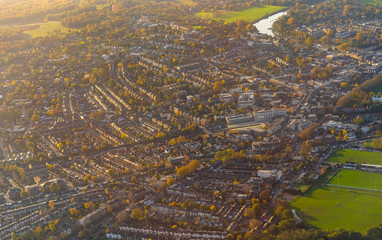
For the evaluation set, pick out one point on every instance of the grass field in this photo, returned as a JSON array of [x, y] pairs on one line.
[[249, 14], [39, 29], [347, 155], [335, 208], [46, 29], [355, 178]]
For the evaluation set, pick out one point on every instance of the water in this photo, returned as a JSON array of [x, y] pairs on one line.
[[265, 25]]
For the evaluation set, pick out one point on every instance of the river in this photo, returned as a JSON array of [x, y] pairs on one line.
[[265, 25]]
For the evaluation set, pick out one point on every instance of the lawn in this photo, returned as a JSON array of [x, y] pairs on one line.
[[46, 29], [347, 155], [249, 14], [335, 208], [356, 178]]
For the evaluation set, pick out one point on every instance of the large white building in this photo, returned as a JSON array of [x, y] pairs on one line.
[[246, 99], [241, 118], [269, 173], [266, 115]]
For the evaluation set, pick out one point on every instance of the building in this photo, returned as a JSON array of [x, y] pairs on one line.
[[266, 115], [245, 100], [241, 118], [269, 173], [265, 146], [176, 160], [332, 125], [225, 97]]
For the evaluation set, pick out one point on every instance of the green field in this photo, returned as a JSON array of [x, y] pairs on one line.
[[335, 208], [347, 155], [46, 29], [249, 14], [359, 179], [39, 29]]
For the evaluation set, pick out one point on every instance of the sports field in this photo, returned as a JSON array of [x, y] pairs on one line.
[[335, 208], [358, 179], [347, 155], [249, 14]]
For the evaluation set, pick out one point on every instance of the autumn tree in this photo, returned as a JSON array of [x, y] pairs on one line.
[[137, 214], [52, 205]]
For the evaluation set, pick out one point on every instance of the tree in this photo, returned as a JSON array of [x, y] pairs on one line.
[[344, 47], [330, 33], [89, 205], [346, 10], [306, 148], [257, 208], [73, 212], [52, 205], [218, 86], [344, 85], [254, 223], [24, 195], [304, 135], [54, 188], [249, 213], [122, 217], [291, 21], [170, 181], [309, 41], [265, 195], [86, 234], [137, 214]]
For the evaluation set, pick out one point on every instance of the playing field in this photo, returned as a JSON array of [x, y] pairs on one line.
[[249, 14], [347, 155], [335, 208], [358, 179]]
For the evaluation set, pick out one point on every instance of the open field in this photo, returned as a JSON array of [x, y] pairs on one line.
[[347, 155], [39, 29], [46, 29], [249, 14], [359, 179], [335, 208]]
